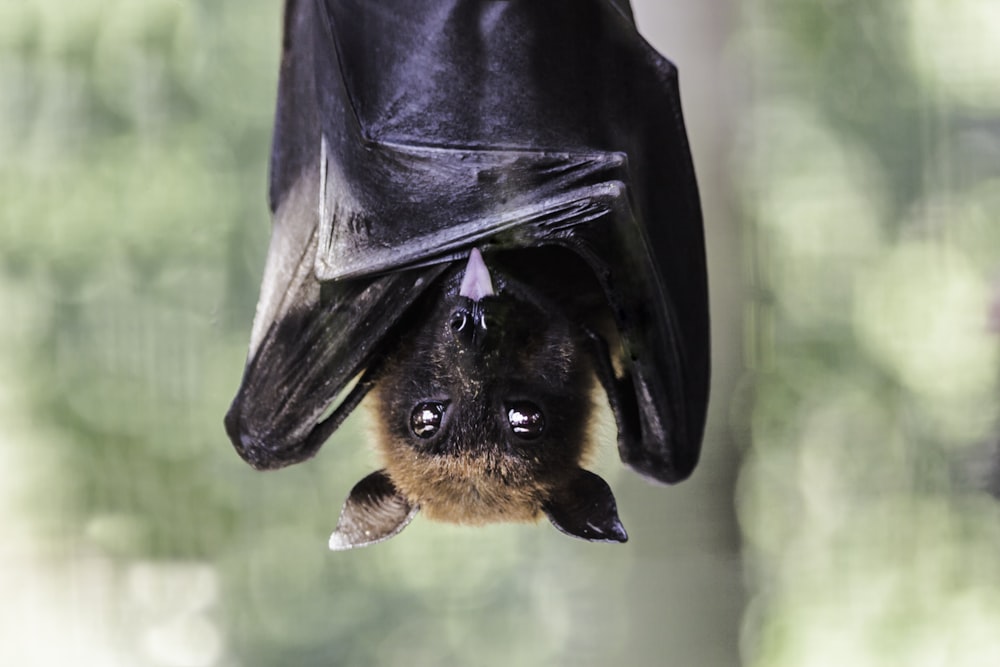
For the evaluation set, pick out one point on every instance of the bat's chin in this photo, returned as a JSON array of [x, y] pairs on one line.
[[469, 487], [473, 505]]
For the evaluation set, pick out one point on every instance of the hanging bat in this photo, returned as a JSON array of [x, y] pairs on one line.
[[481, 211]]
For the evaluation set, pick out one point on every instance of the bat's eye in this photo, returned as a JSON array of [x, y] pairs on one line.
[[526, 420], [425, 420]]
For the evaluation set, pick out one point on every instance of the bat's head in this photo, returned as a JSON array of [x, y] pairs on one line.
[[483, 415]]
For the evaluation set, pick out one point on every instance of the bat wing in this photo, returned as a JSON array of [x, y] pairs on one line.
[[309, 339], [409, 131]]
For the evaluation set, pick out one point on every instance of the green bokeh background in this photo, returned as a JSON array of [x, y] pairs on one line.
[[849, 159]]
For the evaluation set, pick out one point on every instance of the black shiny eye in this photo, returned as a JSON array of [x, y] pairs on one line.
[[526, 420], [425, 420]]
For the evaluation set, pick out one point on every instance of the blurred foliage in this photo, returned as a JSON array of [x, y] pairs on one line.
[[870, 175], [133, 147], [121, 170]]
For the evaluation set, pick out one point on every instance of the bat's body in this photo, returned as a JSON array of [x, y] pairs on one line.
[[479, 208]]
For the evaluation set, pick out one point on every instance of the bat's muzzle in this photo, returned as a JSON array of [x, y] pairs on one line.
[[469, 325], [469, 321]]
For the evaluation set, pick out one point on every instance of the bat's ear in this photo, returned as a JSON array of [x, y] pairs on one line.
[[585, 508], [375, 511]]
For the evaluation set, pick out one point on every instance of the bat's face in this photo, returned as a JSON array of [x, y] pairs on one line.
[[484, 410]]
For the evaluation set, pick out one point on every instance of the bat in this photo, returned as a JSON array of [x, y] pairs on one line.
[[484, 214]]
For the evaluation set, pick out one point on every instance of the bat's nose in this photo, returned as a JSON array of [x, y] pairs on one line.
[[469, 325]]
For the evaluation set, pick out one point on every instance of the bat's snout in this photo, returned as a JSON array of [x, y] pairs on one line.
[[469, 325], [469, 321]]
